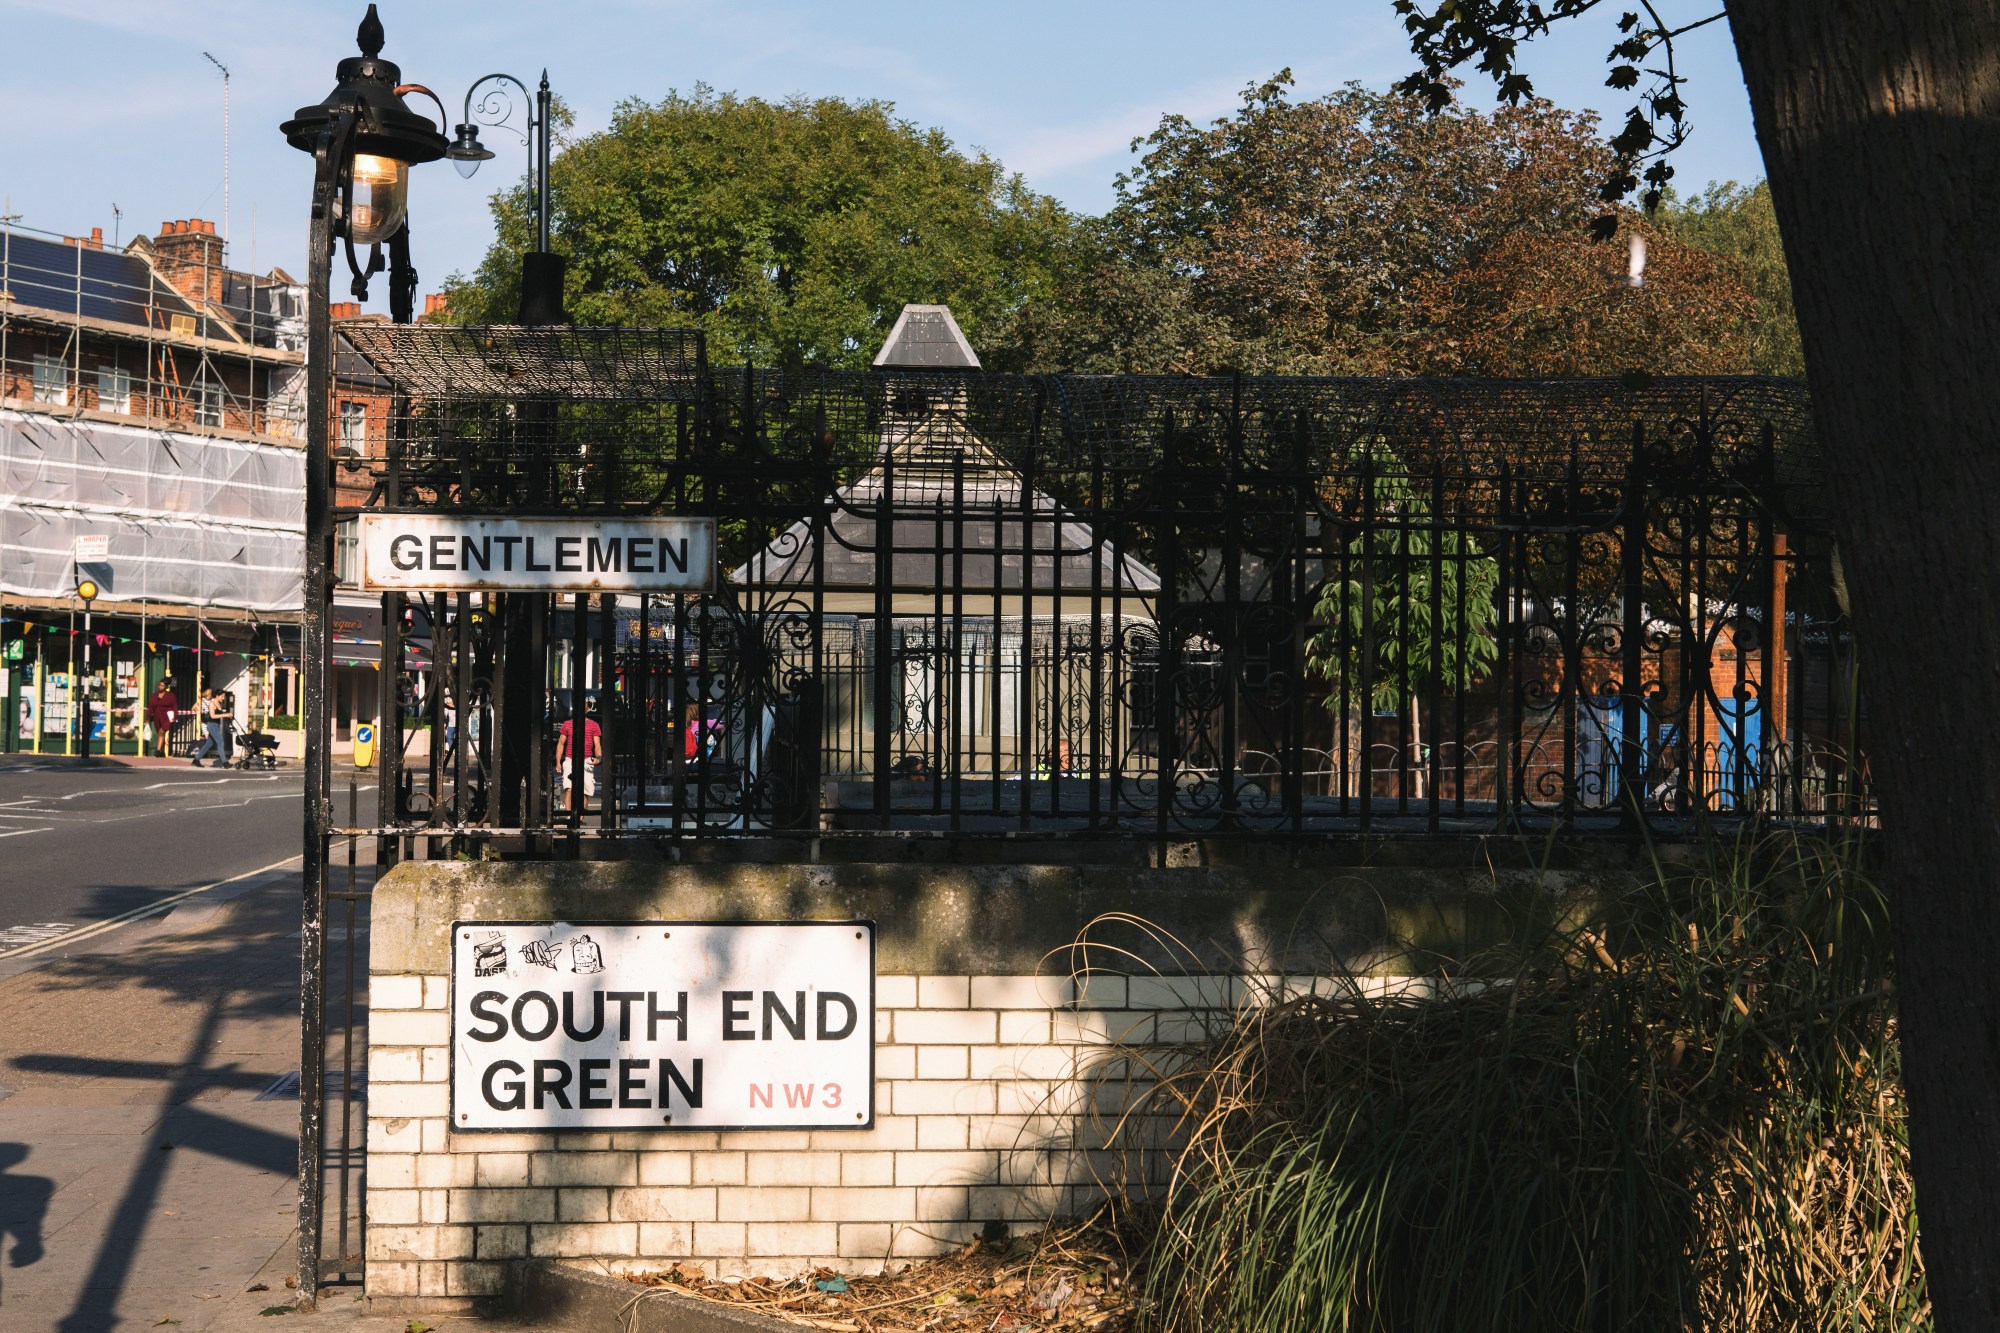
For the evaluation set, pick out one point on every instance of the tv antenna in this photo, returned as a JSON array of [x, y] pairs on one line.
[[117, 224], [225, 141]]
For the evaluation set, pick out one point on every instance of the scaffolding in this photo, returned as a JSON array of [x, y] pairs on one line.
[[91, 332]]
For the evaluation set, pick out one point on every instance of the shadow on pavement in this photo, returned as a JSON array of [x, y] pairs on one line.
[[24, 1202], [220, 995]]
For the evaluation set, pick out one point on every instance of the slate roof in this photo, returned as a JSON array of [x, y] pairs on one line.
[[978, 529], [927, 337]]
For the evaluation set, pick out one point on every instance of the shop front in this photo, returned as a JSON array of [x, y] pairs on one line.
[[53, 676]]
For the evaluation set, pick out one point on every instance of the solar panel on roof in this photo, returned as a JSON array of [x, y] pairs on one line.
[[112, 285]]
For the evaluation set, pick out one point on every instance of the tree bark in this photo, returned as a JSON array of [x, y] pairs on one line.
[[1880, 126]]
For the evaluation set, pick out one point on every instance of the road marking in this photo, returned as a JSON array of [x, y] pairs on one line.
[[140, 913], [37, 933], [15, 833], [157, 786]]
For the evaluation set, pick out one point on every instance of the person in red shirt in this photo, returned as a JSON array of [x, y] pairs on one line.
[[593, 750], [162, 711]]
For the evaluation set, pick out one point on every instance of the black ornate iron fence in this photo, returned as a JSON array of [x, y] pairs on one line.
[[970, 604]]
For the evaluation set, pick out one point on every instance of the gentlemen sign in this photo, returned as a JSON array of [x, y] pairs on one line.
[[462, 553], [662, 1025]]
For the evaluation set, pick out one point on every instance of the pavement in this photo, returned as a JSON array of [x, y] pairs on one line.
[[147, 1162]]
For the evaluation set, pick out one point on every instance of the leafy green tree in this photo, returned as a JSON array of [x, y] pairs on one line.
[[1739, 223], [1429, 628], [792, 232]]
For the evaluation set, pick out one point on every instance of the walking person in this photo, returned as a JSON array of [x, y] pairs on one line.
[[162, 711], [593, 750], [213, 740]]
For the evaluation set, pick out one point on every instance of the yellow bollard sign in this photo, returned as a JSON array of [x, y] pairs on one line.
[[364, 746]]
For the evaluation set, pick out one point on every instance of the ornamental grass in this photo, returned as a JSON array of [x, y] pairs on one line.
[[1683, 1114]]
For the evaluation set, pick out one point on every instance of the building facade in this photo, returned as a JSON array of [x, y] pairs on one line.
[[152, 421]]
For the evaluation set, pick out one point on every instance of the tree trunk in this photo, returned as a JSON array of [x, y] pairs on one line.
[[1880, 125]]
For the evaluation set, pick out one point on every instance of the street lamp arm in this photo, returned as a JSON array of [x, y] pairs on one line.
[[499, 113], [495, 107]]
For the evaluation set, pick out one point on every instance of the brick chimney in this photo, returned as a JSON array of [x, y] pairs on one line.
[[189, 255], [96, 241]]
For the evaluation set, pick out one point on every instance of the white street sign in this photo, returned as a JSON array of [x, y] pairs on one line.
[[662, 1025], [93, 548], [468, 553]]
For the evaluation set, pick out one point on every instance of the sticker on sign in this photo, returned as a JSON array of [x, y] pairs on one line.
[[662, 1025]]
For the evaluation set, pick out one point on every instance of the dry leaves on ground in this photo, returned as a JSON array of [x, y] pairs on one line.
[[1067, 1280]]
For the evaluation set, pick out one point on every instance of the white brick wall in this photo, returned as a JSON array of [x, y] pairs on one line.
[[977, 1118]]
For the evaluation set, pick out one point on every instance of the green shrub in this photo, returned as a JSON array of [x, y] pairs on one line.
[[1683, 1115], [282, 722]]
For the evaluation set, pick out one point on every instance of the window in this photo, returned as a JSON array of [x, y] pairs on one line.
[[346, 552], [52, 380], [207, 401], [114, 391], [353, 429]]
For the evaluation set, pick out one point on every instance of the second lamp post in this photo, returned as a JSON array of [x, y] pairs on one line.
[[541, 268]]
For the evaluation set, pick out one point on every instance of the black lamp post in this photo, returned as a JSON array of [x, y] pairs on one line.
[[363, 141], [523, 616], [541, 269]]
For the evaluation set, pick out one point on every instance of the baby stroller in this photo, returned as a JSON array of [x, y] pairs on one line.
[[256, 749]]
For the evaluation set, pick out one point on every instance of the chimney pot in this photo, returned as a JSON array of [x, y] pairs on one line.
[[97, 238]]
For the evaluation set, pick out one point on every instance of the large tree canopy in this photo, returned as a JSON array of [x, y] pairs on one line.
[[1360, 233], [791, 232]]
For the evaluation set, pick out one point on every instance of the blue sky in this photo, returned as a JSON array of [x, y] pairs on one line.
[[111, 101]]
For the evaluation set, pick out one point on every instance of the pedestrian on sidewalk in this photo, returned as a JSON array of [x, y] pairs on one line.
[[593, 750], [162, 711], [215, 741]]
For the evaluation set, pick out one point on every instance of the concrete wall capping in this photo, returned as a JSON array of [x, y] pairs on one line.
[[986, 921]]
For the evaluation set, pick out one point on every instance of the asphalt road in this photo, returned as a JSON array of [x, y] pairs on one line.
[[81, 845]]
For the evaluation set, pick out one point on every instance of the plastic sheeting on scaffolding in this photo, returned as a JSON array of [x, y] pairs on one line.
[[189, 519]]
